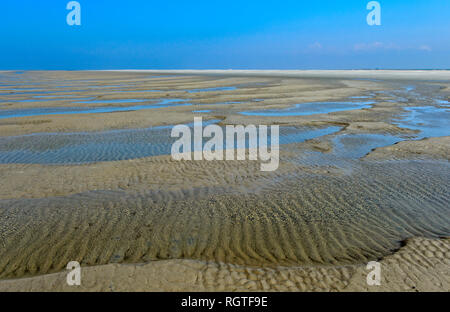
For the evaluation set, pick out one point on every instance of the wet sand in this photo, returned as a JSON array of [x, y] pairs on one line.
[[337, 201], [421, 265]]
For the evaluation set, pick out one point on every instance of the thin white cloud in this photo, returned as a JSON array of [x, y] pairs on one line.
[[374, 46], [315, 46], [425, 48]]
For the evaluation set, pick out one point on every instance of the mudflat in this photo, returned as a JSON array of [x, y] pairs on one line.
[[87, 176]]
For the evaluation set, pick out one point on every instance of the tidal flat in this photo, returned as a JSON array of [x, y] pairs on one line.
[[86, 175]]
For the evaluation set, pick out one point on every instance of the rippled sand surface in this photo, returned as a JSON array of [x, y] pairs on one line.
[[100, 188], [421, 265], [303, 219]]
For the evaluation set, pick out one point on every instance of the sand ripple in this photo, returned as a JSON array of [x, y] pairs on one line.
[[311, 219], [421, 265]]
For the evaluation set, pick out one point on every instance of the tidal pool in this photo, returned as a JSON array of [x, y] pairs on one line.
[[85, 147], [43, 111], [431, 121]]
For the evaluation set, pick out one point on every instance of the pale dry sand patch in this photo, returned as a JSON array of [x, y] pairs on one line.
[[419, 75], [95, 122], [438, 148], [376, 127], [150, 173]]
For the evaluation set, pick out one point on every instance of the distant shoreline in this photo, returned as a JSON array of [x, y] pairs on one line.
[[432, 74]]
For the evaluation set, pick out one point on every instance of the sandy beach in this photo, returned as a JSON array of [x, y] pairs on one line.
[[87, 175]]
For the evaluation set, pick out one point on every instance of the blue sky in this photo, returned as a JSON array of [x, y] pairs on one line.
[[210, 34]]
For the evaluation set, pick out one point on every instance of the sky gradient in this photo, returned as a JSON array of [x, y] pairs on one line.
[[140, 34]]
